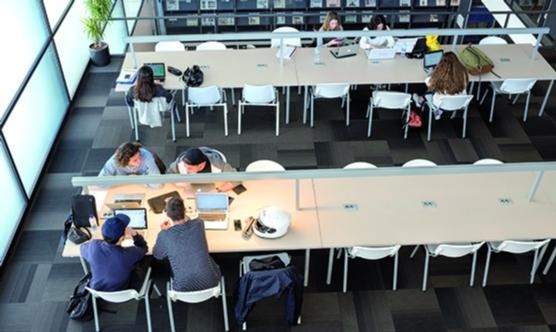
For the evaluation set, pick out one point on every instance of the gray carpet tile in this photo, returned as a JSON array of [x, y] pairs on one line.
[[545, 296], [95, 89], [373, 311], [37, 246], [18, 317], [514, 305], [464, 308]]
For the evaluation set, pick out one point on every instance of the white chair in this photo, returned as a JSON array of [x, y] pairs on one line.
[[210, 46], [246, 260], [550, 261], [510, 87], [296, 41], [490, 40], [419, 163], [196, 297], [258, 95], [488, 161], [449, 104], [517, 247], [168, 46], [124, 296], [454, 250], [149, 113], [389, 100], [264, 165], [359, 165], [370, 253], [205, 97], [328, 91]]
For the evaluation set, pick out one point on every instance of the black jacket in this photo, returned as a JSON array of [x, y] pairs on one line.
[[258, 285]]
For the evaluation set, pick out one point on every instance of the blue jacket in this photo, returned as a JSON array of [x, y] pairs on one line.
[[258, 285]]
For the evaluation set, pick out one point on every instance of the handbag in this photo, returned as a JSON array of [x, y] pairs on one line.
[[80, 304], [476, 61], [193, 76], [79, 235]]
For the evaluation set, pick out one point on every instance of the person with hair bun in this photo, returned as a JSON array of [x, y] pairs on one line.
[[145, 89]]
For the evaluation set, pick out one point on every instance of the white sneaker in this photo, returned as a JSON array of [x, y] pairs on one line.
[[416, 98], [437, 114]]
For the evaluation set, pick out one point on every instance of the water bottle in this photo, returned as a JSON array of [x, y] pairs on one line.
[[316, 56], [93, 222]]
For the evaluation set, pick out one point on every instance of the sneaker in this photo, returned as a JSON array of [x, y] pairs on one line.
[[416, 100], [437, 114]]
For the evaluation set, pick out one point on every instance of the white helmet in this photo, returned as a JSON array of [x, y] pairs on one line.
[[272, 223]]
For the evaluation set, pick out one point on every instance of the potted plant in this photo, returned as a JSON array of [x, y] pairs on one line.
[[94, 25]]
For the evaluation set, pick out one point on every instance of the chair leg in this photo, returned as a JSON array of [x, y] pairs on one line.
[[170, 309], [407, 117], [224, 304], [414, 251], [430, 124], [347, 109], [173, 126], [395, 273], [129, 112], [491, 117], [307, 260], [287, 105], [426, 270], [148, 310], [526, 106], [225, 109], [484, 96], [344, 284], [239, 112], [534, 267], [473, 266], [550, 261], [135, 125], [464, 123], [305, 100], [177, 110], [330, 266], [487, 265], [233, 96], [370, 114], [278, 118], [95, 313], [312, 110], [187, 120]]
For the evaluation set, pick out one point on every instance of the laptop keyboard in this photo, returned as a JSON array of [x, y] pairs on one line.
[[212, 216]]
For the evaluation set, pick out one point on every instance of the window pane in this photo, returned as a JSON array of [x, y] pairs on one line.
[[115, 32], [12, 204], [35, 120], [73, 46], [24, 33], [132, 10], [54, 9]]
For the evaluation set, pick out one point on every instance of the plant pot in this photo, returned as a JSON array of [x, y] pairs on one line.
[[100, 56]]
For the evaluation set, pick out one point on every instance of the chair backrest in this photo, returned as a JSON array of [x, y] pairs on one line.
[[331, 90], [488, 161], [218, 152], [419, 163], [204, 95], [193, 296], [210, 46], [374, 252], [264, 165], [164, 46], [123, 295], [517, 85], [359, 164], [259, 93], [454, 103], [520, 247], [456, 250], [157, 104], [391, 99], [275, 42], [492, 40]]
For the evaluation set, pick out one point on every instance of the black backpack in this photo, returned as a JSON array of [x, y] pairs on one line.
[[193, 76], [80, 305]]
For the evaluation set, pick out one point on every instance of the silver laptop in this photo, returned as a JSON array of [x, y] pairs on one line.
[[381, 53], [344, 51], [431, 59], [212, 208], [137, 219]]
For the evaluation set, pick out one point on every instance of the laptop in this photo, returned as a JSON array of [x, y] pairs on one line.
[[158, 203], [431, 59], [212, 208], [381, 53], [137, 219], [344, 51], [159, 70]]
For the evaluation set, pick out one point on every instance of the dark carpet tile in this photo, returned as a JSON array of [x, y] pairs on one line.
[[96, 159], [68, 160], [545, 295], [414, 310], [464, 308], [514, 305], [546, 147], [95, 88], [116, 98], [16, 285], [373, 311], [519, 152], [81, 126], [538, 126], [37, 247]]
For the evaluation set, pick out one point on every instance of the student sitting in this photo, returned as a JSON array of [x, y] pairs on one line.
[[378, 23], [332, 23]]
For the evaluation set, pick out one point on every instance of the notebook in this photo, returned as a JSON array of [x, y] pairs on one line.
[[381, 53], [158, 203], [137, 219], [344, 51], [159, 70], [405, 45], [431, 59], [203, 187], [212, 208]]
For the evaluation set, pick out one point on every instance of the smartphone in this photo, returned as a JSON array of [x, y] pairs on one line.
[[237, 225], [239, 189]]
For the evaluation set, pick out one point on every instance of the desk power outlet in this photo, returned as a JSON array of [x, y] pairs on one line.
[[350, 206]]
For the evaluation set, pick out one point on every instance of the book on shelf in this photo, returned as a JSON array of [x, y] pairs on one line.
[[280, 4], [352, 3], [127, 76]]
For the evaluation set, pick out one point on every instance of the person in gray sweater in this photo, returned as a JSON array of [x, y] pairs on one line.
[[183, 242]]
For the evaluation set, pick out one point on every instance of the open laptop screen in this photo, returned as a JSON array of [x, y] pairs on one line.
[[159, 70], [137, 216], [212, 201], [431, 59]]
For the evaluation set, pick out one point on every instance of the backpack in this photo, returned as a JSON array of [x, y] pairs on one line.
[[193, 76], [83, 207], [80, 304], [475, 60]]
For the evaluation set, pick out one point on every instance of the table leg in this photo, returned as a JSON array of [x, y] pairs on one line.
[[307, 258], [287, 105], [541, 111]]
